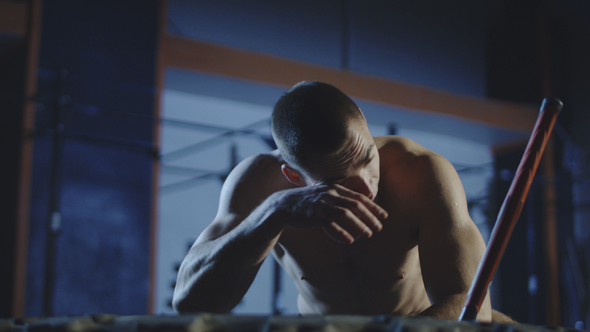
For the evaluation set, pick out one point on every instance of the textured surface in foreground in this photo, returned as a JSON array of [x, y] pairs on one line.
[[209, 322]]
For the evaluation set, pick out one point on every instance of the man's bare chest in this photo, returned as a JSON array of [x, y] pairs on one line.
[[379, 275], [309, 254]]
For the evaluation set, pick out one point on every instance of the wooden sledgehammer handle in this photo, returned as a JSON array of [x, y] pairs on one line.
[[511, 207]]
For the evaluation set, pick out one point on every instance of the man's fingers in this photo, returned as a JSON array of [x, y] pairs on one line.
[[346, 214], [338, 233], [352, 222], [358, 212], [346, 219], [378, 211]]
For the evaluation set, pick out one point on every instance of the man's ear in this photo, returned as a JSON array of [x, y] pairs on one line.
[[292, 175]]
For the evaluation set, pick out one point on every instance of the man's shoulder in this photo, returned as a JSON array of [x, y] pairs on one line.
[[262, 161], [253, 180], [258, 169], [410, 167], [417, 177], [402, 152]]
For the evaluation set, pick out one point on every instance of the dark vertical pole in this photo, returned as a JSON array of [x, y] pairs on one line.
[[276, 294], [552, 303], [346, 34], [54, 215], [392, 129], [160, 70], [531, 259]]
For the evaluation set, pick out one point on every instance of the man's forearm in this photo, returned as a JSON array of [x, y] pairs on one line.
[[451, 307], [216, 274]]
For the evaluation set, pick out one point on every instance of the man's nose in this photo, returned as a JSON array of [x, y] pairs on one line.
[[361, 184]]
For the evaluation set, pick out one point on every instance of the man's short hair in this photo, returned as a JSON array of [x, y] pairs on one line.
[[311, 119]]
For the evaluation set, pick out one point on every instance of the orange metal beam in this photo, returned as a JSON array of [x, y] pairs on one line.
[[190, 54], [33, 34], [13, 17]]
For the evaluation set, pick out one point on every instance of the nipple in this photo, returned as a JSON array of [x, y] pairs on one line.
[[303, 278], [401, 276]]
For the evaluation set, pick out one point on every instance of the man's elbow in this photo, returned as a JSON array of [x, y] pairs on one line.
[[180, 305], [186, 305], [179, 302]]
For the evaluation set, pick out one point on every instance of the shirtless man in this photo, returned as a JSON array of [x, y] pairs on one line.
[[363, 225]]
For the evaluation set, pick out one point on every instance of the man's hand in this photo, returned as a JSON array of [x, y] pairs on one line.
[[344, 214]]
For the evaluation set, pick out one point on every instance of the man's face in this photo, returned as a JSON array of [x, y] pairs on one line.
[[355, 166]]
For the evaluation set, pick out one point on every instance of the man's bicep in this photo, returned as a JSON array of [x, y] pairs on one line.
[[450, 253], [246, 187], [449, 260], [229, 200], [450, 243], [251, 182]]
